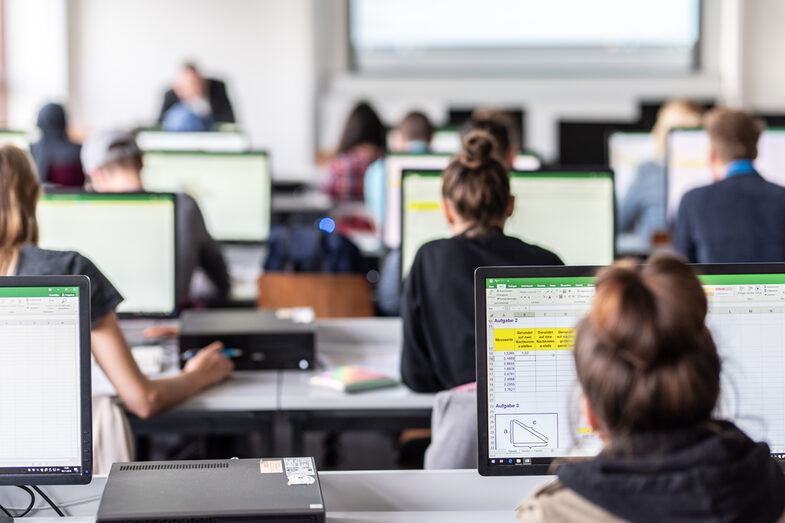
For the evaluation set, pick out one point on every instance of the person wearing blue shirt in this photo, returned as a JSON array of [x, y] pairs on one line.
[[412, 135], [740, 217], [642, 208]]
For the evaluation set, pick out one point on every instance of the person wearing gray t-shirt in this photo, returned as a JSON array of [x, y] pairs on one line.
[[113, 163]]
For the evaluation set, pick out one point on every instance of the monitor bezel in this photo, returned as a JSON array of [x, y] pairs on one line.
[[587, 170], [174, 312], [484, 467], [269, 187], [85, 385]]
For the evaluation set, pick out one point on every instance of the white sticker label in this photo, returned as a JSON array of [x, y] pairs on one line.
[[301, 480], [270, 466], [298, 467]]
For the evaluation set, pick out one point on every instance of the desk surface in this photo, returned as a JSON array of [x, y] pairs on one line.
[[298, 394], [246, 391], [371, 342], [353, 496]]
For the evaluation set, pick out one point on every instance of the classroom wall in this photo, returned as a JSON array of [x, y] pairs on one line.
[[36, 57], [124, 54], [287, 68], [764, 72]]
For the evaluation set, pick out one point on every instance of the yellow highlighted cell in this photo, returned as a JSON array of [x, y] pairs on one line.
[[585, 430], [424, 206], [533, 339]]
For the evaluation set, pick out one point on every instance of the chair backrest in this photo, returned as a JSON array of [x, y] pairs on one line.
[[330, 295]]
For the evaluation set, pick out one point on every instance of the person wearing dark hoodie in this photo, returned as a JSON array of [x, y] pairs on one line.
[[650, 375], [56, 157]]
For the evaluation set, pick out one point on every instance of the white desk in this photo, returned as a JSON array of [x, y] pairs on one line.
[[349, 496], [247, 390]]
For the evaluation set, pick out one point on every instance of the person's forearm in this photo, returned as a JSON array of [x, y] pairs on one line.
[[165, 393]]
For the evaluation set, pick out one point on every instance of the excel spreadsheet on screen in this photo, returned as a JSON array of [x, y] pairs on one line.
[[532, 389], [44, 381]]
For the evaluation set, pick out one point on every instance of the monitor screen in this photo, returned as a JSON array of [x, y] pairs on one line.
[[17, 138], [570, 213], [232, 189], [45, 380], [154, 140], [129, 236], [688, 162], [526, 319], [626, 152], [397, 163]]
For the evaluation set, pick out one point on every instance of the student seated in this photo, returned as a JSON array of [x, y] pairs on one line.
[[113, 163], [501, 126], [740, 217], [412, 135], [642, 208], [56, 157], [362, 143], [650, 375], [438, 302], [19, 256], [206, 97]]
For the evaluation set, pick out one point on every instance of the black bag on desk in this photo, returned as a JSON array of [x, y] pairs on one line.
[[303, 248]]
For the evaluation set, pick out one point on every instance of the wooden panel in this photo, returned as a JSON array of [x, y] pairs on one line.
[[330, 295]]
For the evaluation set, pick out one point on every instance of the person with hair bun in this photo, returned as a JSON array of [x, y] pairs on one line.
[[650, 376], [438, 304]]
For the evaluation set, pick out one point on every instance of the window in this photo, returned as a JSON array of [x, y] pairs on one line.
[[525, 36]]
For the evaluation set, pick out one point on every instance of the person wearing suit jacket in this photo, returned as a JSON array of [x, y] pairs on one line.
[[207, 97], [740, 217]]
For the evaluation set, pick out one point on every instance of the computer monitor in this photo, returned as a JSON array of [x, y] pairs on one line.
[[232, 189], [688, 162], [129, 236], [570, 213], [527, 388], [17, 138], [396, 163], [224, 141], [446, 140], [45, 380], [628, 150]]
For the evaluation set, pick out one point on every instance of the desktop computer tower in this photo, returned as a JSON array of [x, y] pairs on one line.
[[269, 490]]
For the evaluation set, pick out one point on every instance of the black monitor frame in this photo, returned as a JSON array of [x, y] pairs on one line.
[[269, 186], [484, 466], [174, 312], [566, 169], [85, 386]]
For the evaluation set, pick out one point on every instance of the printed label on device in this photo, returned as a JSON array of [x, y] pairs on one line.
[[270, 466], [298, 467]]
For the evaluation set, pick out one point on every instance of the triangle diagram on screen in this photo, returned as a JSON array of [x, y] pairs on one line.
[[522, 435]]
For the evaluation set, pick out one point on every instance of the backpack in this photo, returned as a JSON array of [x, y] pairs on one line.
[[304, 248]]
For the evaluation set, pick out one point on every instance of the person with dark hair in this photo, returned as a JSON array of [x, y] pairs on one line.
[[740, 217], [56, 157], [362, 143], [204, 98], [412, 135], [498, 125], [113, 163], [438, 303], [650, 375]]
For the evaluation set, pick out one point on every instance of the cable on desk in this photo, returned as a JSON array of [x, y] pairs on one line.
[[32, 501], [6, 512], [49, 501]]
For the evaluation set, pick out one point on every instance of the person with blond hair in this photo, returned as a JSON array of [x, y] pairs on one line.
[[650, 376], [740, 217], [20, 256], [642, 208]]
